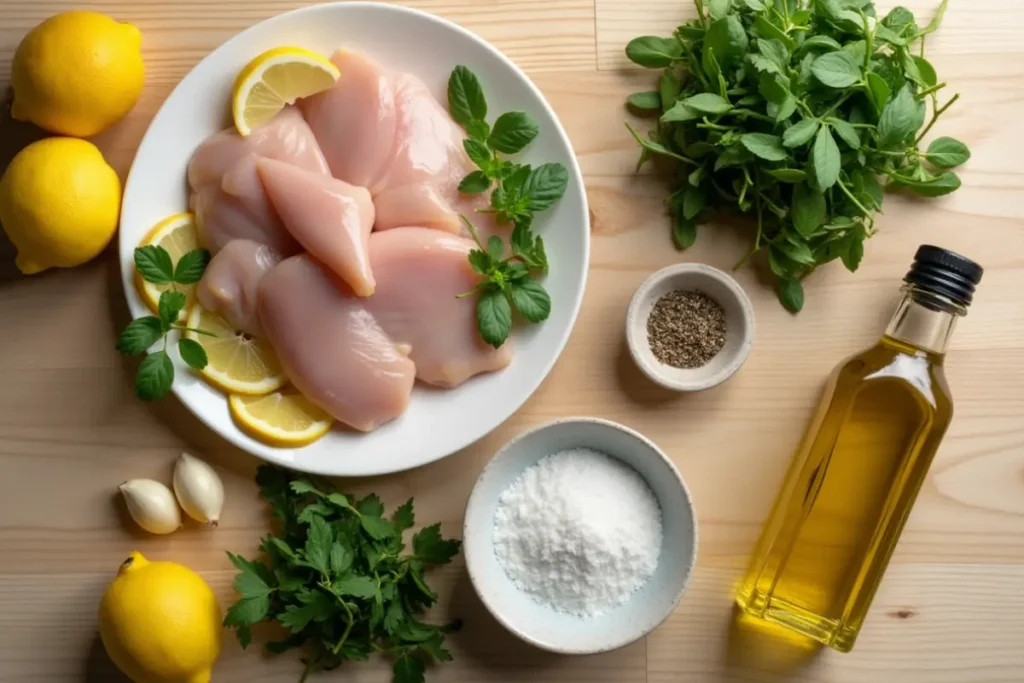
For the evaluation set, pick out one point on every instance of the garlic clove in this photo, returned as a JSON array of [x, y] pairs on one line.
[[199, 489], [152, 505]]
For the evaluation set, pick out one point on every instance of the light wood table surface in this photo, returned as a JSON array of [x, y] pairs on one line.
[[951, 609]]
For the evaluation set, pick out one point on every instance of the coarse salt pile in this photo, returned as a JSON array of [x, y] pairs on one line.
[[579, 532]]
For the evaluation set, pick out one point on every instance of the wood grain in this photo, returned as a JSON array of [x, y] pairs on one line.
[[950, 608]]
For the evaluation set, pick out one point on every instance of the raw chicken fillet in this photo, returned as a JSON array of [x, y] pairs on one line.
[[230, 283]]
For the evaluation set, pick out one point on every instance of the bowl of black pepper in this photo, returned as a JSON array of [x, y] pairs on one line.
[[689, 327]]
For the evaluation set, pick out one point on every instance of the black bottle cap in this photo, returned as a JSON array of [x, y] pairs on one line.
[[945, 273]]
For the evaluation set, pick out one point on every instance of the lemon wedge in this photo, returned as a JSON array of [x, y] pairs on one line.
[[177, 235], [236, 362], [283, 418], [276, 79]]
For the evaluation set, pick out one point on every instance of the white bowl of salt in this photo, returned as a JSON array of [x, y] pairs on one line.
[[580, 536]]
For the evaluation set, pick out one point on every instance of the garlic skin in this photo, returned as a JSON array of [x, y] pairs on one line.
[[152, 505], [199, 489]]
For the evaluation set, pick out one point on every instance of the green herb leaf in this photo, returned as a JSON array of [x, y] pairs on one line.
[[878, 91], [139, 335], [933, 25], [693, 201], [708, 103], [791, 295], [475, 183], [933, 187], [466, 101], [356, 586], [854, 251], [677, 114], [431, 548], [765, 146], [193, 353], [800, 133], [191, 266], [545, 185], [404, 518], [727, 40], [154, 377], [669, 88], [899, 119], [684, 232], [766, 29], [377, 527], [718, 8], [170, 305], [648, 100], [825, 159], [653, 52], [846, 132], [947, 152], [787, 175], [153, 263], [836, 69], [479, 154], [493, 317], [809, 209], [820, 43], [512, 131], [531, 300], [408, 669]]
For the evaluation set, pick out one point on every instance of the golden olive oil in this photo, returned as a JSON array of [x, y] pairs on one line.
[[854, 478]]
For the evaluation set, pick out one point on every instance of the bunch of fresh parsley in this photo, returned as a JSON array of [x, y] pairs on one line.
[[156, 372], [797, 112], [336, 578], [519, 192]]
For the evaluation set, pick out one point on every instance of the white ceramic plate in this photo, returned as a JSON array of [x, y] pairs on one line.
[[437, 423]]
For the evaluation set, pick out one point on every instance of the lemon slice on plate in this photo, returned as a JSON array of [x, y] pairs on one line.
[[283, 418], [177, 235], [236, 362], [276, 79]]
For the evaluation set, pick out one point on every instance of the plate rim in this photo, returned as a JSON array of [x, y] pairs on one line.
[[271, 454]]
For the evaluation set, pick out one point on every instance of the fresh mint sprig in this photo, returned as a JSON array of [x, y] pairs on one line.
[[508, 282], [518, 193], [156, 372]]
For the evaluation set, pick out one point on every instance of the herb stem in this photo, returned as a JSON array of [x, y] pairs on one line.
[[935, 117], [836, 105], [308, 670], [853, 199], [185, 328], [751, 114], [869, 37], [928, 91]]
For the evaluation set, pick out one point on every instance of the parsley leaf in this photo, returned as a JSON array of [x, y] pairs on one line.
[[341, 591]]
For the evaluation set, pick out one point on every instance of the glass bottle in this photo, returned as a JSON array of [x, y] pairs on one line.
[[849, 490]]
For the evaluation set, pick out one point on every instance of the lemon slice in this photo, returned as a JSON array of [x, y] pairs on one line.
[[276, 79], [237, 362], [283, 418], [177, 235]]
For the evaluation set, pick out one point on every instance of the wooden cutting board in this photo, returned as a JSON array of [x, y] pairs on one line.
[[951, 609]]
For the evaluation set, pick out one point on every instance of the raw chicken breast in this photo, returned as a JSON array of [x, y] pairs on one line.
[[330, 218], [230, 282], [385, 131], [331, 347], [419, 274], [354, 121], [227, 197]]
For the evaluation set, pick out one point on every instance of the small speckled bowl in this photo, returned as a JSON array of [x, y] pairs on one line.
[[645, 609], [739, 324]]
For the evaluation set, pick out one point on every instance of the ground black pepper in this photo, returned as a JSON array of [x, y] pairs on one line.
[[686, 329]]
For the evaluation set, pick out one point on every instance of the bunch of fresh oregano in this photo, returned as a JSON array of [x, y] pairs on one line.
[[156, 372], [519, 192], [797, 112], [336, 578]]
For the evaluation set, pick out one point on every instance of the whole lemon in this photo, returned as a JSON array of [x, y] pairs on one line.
[[59, 203], [160, 622], [77, 73]]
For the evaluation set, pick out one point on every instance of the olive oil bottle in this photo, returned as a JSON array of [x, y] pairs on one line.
[[866, 453]]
